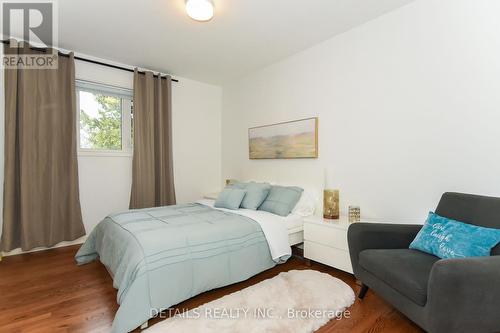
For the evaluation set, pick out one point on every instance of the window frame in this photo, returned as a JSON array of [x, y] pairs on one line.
[[126, 96]]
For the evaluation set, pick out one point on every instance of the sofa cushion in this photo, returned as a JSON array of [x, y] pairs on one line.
[[405, 270], [472, 209], [448, 238]]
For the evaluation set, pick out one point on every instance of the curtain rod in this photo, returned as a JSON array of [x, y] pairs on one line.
[[90, 61]]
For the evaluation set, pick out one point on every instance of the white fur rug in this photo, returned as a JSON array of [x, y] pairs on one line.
[[294, 301]]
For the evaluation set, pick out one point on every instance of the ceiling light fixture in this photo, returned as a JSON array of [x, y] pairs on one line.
[[200, 10]]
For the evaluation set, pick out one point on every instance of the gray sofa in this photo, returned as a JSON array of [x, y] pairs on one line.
[[440, 295]]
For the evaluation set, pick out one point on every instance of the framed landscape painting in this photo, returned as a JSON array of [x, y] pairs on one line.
[[292, 139]]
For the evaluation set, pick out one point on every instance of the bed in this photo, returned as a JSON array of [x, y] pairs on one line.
[[159, 257], [295, 228], [294, 223]]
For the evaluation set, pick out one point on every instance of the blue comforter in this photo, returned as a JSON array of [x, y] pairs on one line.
[[162, 256]]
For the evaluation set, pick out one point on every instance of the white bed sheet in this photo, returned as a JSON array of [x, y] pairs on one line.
[[274, 227], [294, 221]]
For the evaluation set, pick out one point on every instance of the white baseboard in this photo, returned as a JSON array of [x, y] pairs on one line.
[[80, 240]]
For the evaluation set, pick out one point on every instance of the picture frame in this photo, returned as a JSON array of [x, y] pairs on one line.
[[286, 140]]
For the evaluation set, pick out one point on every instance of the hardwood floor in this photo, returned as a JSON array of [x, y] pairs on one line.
[[47, 292]]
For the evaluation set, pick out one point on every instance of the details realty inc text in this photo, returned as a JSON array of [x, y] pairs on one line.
[[258, 313]]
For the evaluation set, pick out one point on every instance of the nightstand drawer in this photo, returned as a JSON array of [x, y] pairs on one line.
[[328, 255], [326, 235]]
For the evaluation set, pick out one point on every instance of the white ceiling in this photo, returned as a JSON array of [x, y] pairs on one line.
[[244, 35]]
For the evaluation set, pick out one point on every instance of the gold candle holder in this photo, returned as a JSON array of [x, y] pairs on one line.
[[331, 204]]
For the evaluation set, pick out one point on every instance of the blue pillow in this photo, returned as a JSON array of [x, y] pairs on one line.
[[447, 238], [255, 195], [230, 198], [281, 200]]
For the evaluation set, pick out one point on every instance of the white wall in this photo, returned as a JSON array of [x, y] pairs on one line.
[[196, 111], [408, 107]]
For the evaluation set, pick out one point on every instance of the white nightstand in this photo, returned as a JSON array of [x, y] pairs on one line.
[[325, 241]]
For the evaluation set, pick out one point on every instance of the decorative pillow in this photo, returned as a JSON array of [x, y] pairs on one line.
[[230, 198], [447, 238], [307, 204], [256, 194], [281, 199]]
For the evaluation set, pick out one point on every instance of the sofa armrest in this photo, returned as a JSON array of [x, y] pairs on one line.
[[464, 295], [362, 236]]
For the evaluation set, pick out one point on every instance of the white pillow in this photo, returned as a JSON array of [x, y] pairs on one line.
[[307, 204]]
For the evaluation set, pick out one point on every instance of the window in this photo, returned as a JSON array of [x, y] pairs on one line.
[[104, 119]]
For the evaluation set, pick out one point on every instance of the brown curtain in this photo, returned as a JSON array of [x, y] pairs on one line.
[[41, 198], [152, 166]]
